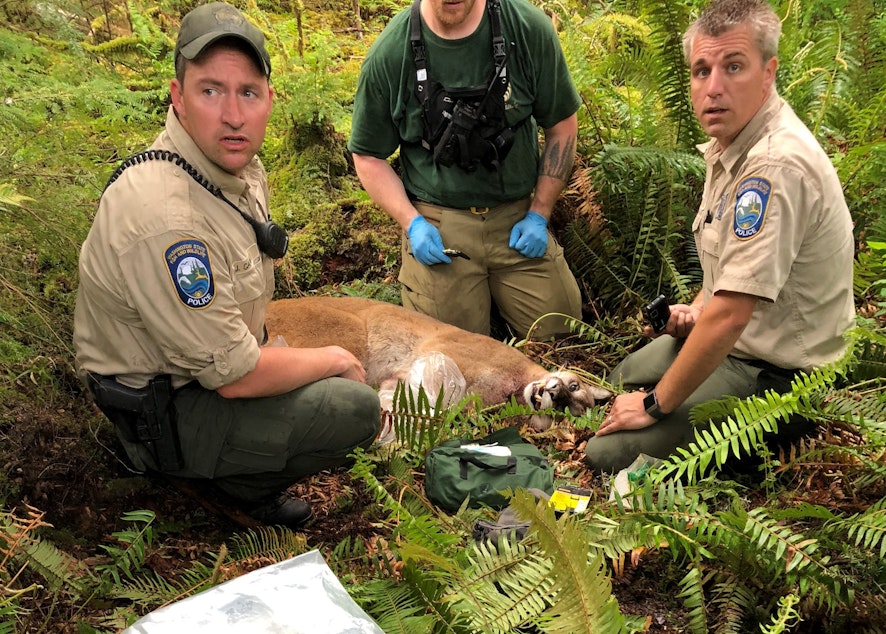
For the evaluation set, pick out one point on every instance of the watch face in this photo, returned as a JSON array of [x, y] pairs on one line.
[[649, 401], [650, 404]]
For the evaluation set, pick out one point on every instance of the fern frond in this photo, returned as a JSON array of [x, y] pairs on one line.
[[795, 556], [742, 432], [124, 45], [58, 570], [420, 424], [505, 586], [647, 195], [664, 513], [865, 411], [584, 602], [786, 616], [734, 601], [424, 531], [151, 590], [398, 608], [592, 256], [792, 548], [692, 595], [866, 530], [272, 543], [615, 161], [349, 549], [669, 20], [56, 567], [10, 198], [862, 463]]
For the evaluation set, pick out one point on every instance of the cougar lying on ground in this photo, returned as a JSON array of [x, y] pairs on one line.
[[388, 339]]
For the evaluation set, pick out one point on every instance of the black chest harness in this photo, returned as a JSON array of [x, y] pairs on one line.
[[464, 126]]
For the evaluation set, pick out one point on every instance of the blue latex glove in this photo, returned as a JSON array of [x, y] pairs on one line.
[[530, 235], [427, 245]]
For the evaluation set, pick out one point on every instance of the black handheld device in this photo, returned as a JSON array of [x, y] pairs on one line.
[[658, 312]]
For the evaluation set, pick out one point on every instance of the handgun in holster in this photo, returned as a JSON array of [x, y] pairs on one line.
[[143, 415]]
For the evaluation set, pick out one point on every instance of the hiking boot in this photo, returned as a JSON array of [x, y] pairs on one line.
[[282, 510]]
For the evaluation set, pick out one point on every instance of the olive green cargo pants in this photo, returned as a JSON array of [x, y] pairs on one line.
[[255, 447], [461, 293], [643, 369]]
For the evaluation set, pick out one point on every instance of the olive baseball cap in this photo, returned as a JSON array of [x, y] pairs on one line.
[[210, 22]]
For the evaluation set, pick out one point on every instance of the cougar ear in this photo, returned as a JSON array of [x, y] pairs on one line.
[[540, 422], [601, 395]]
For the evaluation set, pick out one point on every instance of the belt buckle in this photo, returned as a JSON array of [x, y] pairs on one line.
[[479, 211]]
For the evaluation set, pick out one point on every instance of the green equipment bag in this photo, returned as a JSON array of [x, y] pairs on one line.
[[480, 469]]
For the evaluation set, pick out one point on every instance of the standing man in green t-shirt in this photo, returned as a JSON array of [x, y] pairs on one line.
[[462, 88]]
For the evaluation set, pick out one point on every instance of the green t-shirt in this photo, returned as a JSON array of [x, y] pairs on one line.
[[387, 114]]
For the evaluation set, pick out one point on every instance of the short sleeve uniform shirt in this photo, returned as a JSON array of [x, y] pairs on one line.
[[773, 223], [171, 278]]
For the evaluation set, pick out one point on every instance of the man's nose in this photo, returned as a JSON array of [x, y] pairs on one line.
[[232, 112], [716, 81]]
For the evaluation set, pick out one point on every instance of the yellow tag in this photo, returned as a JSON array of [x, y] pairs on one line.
[[570, 498]]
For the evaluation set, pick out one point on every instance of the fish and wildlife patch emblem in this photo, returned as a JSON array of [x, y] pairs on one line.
[[188, 263], [751, 201]]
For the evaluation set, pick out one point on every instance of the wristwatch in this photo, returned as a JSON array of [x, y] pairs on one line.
[[650, 404]]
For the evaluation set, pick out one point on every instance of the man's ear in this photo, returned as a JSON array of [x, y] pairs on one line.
[[175, 91], [769, 69]]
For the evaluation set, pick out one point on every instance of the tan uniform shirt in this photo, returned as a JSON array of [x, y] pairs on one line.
[[773, 223], [171, 278]]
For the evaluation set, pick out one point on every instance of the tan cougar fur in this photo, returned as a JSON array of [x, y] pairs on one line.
[[388, 339]]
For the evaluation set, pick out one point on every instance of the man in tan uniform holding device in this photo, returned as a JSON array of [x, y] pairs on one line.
[[775, 241], [175, 277]]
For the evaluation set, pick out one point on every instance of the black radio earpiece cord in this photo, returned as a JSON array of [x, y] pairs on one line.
[[270, 237]]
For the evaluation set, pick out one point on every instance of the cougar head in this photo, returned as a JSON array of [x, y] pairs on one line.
[[559, 390]]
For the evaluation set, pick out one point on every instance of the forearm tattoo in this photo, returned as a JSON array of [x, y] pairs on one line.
[[557, 159]]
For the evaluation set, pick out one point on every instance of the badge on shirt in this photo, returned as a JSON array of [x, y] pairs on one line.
[[188, 262], [751, 199]]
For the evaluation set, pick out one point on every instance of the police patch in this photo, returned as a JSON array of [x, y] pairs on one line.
[[188, 263], [751, 200]]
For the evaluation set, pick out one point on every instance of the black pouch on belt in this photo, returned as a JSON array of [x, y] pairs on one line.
[[144, 415]]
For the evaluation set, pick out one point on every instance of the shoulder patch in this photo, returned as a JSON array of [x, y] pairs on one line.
[[188, 263], [751, 200]]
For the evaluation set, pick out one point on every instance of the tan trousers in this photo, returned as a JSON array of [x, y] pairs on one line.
[[461, 293]]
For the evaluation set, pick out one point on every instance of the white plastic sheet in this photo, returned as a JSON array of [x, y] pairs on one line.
[[297, 596]]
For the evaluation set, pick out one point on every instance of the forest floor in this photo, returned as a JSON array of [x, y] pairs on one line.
[[63, 459], [60, 456]]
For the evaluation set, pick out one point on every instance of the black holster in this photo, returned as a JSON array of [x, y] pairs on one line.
[[145, 415]]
